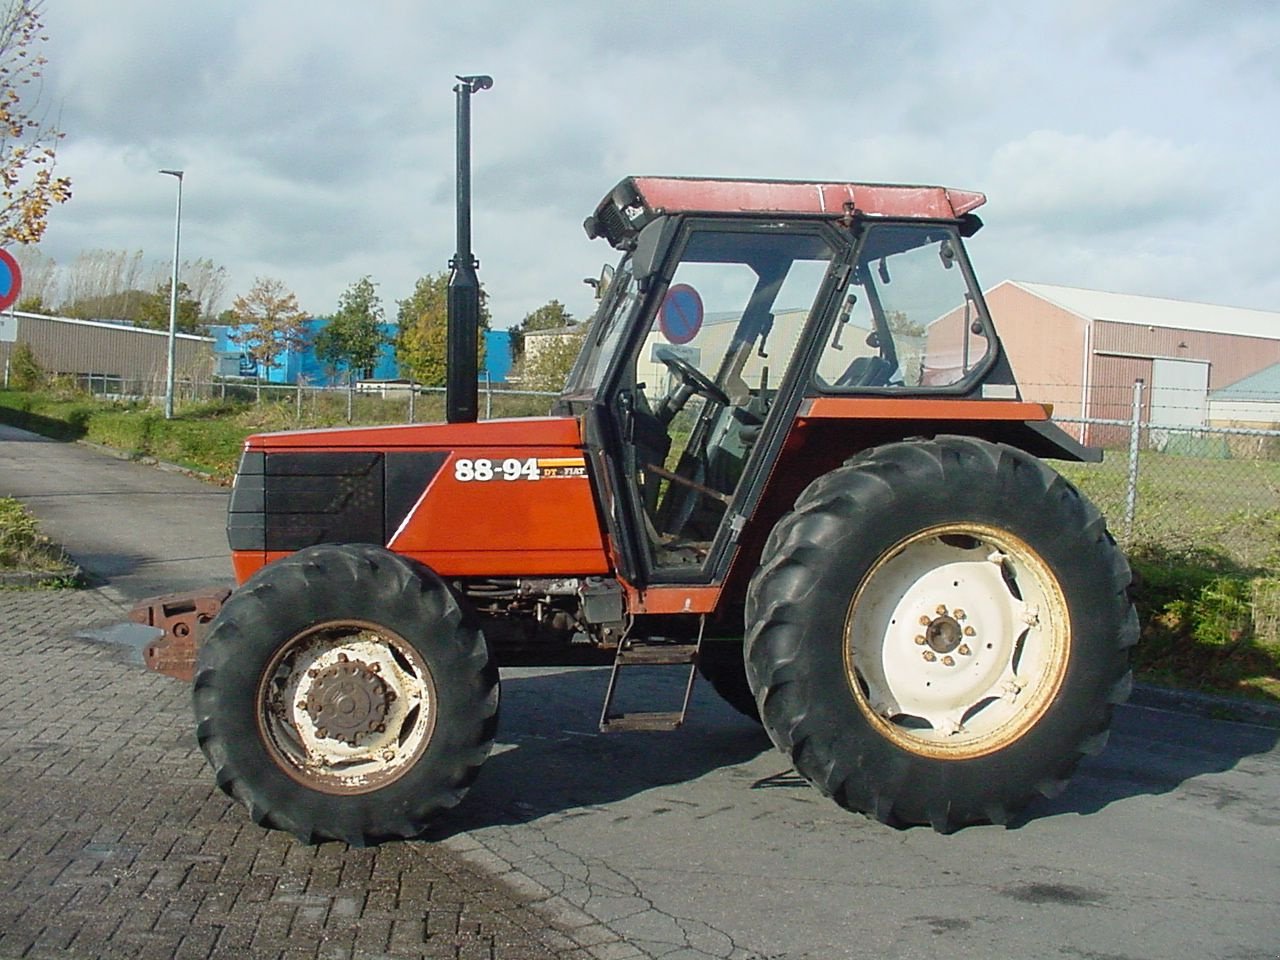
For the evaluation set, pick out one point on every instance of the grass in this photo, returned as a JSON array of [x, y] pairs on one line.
[[1189, 504], [24, 549], [1205, 545]]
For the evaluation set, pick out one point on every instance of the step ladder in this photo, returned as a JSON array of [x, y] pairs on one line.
[[649, 653]]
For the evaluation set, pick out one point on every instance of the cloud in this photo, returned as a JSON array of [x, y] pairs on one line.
[[318, 136], [1123, 181]]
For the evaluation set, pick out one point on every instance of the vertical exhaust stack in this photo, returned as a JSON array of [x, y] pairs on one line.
[[461, 394]]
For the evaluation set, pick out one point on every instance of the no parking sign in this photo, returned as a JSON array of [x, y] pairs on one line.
[[680, 318], [10, 280]]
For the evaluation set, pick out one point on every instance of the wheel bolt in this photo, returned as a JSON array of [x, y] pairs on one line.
[[958, 613], [970, 632], [942, 610], [925, 621], [963, 650], [948, 661], [920, 641], [930, 656]]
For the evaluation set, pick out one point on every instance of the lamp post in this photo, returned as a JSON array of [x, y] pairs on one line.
[[173, 302]]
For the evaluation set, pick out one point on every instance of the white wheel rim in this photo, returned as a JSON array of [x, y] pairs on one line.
[[957, 641], [346, 707]]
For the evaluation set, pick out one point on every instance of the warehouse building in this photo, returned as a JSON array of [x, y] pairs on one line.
[[1082, 350], [105, 357]]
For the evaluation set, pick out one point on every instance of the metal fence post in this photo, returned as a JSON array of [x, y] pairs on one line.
[[1131, 491], [488, 396], [413, 394]]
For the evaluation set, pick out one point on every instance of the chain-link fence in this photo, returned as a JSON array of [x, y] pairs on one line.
[[1181, 469], [1176, 476]]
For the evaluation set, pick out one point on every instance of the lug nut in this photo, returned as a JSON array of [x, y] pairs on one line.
[[313, 673], [942, 610], [375, 667], [930, 656], [948, 661], [963, 650], [920, 641], [343, 658], [958, 613], [970, 632], [925, 621], [302, 704]]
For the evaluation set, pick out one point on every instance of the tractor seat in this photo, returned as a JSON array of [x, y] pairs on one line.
[[870, 371]]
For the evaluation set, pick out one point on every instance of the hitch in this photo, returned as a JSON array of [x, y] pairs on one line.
[[183, 618]]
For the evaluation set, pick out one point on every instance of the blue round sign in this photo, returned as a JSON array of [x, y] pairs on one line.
[[680, 317]]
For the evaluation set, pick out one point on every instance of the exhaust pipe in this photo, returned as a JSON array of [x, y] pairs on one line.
[[461, 357]]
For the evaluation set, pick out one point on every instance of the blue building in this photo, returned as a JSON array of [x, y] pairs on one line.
[[303, 364]]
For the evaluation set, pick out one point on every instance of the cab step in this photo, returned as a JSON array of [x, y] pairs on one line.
[[649, 653]]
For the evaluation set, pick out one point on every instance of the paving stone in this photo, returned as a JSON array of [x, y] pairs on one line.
[[115, 843]]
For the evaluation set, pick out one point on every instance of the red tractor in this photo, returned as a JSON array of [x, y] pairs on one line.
[[791, 455]]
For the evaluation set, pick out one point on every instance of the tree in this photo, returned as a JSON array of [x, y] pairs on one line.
[[422, 340], [552, 315], [268, 322], [152, 309], [39, 279], [353, 338], [546, 365], [28, 146]]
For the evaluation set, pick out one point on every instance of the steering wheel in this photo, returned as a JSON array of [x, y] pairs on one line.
[[693, 378]]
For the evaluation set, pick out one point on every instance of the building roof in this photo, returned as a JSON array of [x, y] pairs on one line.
[[1263, 385], [1157, 311]]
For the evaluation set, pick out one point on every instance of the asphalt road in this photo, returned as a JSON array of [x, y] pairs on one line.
[[703, 843]]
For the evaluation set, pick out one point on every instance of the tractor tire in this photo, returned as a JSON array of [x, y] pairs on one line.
[[721, 664], [938, 631], [345, 693]]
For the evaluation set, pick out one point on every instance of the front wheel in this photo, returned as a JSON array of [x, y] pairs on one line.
[[344, 693], [938, 631]]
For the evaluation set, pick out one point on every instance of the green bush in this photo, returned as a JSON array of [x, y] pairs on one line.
[[25, 372]]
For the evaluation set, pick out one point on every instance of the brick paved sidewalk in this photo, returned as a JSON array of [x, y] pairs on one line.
[[114, 841]]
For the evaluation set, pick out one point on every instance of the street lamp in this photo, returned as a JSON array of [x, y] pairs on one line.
[[173, 301]]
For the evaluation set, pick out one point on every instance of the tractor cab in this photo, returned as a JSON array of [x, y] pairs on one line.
[[732, 305]]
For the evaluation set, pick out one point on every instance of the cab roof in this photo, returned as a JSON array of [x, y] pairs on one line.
[[637, 200]]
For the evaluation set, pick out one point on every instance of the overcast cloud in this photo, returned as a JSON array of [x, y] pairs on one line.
[[1127, 147]]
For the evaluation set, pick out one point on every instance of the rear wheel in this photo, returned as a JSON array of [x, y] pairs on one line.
[[344, 693], [938, 630]]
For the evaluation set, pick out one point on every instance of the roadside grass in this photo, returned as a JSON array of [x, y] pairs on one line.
[[1189, 504], [25, 550], [1205, 555]]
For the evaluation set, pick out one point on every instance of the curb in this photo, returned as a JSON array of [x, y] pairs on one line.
[[71, 579], [1208, 705], [146, 459]]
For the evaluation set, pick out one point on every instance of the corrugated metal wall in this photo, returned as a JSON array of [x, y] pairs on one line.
[[1230, 357], [83, 347]]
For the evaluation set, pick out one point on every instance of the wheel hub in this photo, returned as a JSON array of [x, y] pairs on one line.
[[943, 634], [347, 699]]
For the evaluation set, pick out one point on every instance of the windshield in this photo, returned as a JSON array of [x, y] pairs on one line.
[[909, 317], [606, 330]]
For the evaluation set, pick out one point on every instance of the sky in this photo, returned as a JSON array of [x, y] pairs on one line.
[[1129, 147]]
